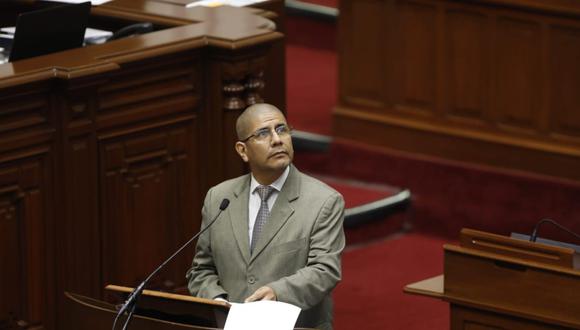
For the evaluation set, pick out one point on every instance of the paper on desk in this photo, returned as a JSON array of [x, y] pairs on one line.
[[262, 315], [96, 33], [8, 32], [217, 3]]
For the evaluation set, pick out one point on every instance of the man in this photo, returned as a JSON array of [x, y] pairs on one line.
[[281, 237]]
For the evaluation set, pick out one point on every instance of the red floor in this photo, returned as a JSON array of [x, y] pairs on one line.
[[371, 294]]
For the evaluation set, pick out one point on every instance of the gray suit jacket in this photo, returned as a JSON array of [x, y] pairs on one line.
[[297, 255]]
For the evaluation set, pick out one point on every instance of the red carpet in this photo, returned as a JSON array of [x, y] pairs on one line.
[[358, 193], [371, 293]]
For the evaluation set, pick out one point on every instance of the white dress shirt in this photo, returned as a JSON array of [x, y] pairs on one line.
[[255, 201]]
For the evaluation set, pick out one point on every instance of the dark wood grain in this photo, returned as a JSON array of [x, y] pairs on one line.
[[485, 82], [107, 151]]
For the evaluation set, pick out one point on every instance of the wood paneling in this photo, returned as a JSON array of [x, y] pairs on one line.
[[471, 319], [106, 152], [136, 93], [467, 66], [365, 84], [417, 57], [455, 79], [517, 83], [25, 225], [147, 181], [565, 79], [80, 224]]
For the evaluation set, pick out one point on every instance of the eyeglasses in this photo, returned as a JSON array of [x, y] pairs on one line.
[[265, 134]]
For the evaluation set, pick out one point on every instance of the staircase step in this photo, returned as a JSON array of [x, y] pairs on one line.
[[372, 211]]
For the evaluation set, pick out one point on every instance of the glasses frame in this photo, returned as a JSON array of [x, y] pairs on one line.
[[270, 134]]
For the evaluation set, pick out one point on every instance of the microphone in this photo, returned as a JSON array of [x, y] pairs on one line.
[[131, 301], [534, 235]]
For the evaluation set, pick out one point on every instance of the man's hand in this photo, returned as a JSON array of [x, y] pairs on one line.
[[263, 293]]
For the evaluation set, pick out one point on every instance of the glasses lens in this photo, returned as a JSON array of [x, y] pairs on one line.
[[282, 130], [263, 134]]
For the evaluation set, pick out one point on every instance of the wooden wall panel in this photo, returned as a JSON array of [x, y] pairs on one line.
[[134, 93], [78, 219], [24, 227], [467, 65], [25, 215], [565, 78], [230, 137], [146, 212], [80, 223], [24, 111], [463, 77], [106, 151], [25, 117], [517, 75], [363, 48], [416, 69]]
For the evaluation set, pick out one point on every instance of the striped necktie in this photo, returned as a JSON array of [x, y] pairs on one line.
[[263, 214]]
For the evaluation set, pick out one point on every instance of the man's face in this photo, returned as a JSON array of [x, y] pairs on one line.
[[271, 154]]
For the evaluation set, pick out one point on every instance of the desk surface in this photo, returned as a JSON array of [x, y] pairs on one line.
[[431, 287], [192, 28]]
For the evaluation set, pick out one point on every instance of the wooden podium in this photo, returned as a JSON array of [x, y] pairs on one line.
[[155, 311], [497, 282]]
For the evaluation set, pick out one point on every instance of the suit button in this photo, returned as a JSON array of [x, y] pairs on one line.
[[251, 280]]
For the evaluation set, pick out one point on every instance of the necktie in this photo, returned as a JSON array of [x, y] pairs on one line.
[[263, 214]]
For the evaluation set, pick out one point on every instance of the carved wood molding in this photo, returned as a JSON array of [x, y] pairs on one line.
[[243, 83], [234, 95]]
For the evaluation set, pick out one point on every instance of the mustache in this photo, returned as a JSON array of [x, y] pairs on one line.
[[278, 151]]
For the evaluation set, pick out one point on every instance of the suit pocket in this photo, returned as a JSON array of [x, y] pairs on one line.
[[291, 246]]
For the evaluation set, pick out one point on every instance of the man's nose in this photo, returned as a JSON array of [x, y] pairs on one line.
[[275, 137]]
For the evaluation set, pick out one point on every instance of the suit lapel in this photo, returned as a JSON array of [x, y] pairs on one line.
[[281, 211], [238, 214]]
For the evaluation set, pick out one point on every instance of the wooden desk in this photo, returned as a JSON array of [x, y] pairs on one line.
[[107, 151], [91, 314], [495, 282], [491, 82]]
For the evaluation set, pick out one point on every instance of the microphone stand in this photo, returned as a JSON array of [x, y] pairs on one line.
[[534, 235], [131, 302]]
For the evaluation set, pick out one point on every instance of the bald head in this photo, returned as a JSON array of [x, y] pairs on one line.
[[245, 120], [264, 142]]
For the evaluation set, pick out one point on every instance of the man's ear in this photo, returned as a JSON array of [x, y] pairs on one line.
[[241, 150]]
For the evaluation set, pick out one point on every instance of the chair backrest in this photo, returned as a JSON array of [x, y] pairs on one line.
[[131, 30], [50, 30]]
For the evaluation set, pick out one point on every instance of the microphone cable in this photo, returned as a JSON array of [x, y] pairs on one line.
[[534, 235]]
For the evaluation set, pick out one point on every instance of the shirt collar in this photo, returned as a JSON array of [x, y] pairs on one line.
[[278, 184]]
